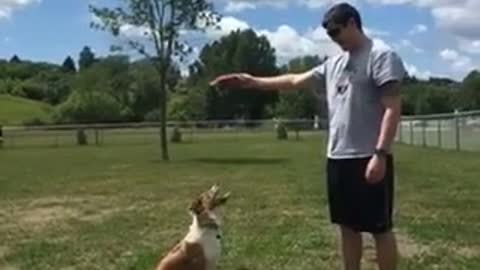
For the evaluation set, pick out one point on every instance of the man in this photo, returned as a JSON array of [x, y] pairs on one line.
[[364, 106]]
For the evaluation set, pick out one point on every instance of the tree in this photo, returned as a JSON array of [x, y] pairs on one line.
[[87, 58], [187, 104], [15, 59], [160, 22], [427, 98], [307, 102], [68, 65], [240, 51], [101, 94], [469, 98]]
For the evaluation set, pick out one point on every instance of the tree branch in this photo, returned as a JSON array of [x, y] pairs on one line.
[[157, 33]]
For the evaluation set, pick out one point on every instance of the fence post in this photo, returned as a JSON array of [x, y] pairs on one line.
[[439, 125], [400, 137], [424, 135], [411, 133], [457, 130], [1, 136], [97, 139]]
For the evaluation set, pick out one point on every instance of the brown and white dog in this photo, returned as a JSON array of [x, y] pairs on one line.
[[200, 248]]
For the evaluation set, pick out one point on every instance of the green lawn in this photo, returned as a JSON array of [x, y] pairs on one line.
[[119, 207], [16, 110]]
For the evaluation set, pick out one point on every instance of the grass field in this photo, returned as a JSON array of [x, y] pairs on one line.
[[16, 110], [119, 207]]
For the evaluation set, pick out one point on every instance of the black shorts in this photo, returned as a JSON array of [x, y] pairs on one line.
[[356, 204]]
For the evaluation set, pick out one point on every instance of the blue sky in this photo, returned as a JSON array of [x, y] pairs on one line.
[[434, 37]]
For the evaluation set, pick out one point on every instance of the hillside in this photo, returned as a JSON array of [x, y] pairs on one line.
[[16, 110]]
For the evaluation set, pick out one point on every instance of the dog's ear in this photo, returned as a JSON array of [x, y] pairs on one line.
[[213, 191], [222, 200]]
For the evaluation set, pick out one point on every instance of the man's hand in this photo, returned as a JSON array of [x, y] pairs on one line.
[[376, 169], [239, 80]]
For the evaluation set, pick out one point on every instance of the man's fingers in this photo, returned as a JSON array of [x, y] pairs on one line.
[[372, 176], [219, 80], [369, 175], [229, 80]]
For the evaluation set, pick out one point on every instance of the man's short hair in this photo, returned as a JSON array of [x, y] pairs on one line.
[[340, 14]]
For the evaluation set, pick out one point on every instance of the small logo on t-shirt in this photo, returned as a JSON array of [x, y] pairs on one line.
[[341, 89], [343, 83]]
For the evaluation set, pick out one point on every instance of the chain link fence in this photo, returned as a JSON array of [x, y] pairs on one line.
[[455, 131], [149, 133]]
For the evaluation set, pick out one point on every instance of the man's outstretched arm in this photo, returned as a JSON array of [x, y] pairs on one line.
[[284, 82]]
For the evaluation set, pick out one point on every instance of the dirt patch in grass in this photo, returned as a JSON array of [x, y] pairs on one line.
[[8, 267], [468, 252], [36, 215], [43, 216], [4, 250], [410, 248], [407, 247]]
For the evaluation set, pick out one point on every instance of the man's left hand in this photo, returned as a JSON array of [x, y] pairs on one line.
[[375, 169]]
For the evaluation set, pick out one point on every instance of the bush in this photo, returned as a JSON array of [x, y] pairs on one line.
[[36, 121], [91, 107], [81, 137], [282, 133], [176, 135], [153, 115]]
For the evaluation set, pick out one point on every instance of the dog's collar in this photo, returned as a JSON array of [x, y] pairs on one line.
[[215, 227], [212, 225]]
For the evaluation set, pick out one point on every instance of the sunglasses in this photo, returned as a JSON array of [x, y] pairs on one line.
[[333, 32]]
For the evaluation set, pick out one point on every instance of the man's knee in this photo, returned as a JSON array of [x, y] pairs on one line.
[[347, 231], [386, 236]]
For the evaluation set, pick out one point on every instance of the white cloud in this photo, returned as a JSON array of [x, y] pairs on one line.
[[313, 4], [225, 26], [240, 5], [234, 7], [7, 7], [312, 42], [415, 71], [459, 62], [134, 32], [457, 17], [126, 30], [407, 44], [309, 44], [469, 46], [417, 29], [376, 32], [460, 19], [449, 54]]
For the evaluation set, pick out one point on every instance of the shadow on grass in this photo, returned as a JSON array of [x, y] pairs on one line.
[[242, 161]]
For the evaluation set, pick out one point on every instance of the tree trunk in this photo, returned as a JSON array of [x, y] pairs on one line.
[[163, 117]]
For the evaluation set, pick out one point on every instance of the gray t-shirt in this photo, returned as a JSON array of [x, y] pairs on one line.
[[354, 98]]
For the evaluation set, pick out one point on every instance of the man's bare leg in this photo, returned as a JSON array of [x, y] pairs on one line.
[[387, 253], [351, 247]]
